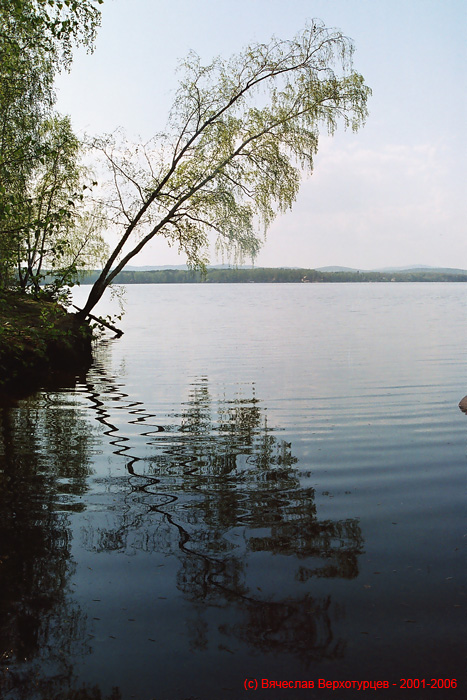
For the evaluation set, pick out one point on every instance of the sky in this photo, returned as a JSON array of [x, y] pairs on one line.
[[393, 194]]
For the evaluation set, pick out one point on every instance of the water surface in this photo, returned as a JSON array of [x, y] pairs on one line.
[[255, 481]]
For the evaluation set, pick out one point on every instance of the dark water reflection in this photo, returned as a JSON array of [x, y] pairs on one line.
[[215, 490], [44, 464]]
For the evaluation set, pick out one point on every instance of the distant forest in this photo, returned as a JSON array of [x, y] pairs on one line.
[[272, 275]]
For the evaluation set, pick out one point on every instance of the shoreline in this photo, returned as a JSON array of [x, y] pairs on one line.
[[39, 341]]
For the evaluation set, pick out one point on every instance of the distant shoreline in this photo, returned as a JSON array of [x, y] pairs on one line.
[[273, 276]]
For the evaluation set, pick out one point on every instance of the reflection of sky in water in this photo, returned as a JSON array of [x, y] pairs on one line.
[[272, 488]]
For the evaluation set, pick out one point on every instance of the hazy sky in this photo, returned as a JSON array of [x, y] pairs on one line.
[[392, 194]]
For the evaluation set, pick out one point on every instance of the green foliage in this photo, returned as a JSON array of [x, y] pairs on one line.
[[60, 232], [36, 40], [241, 134], [266, 275], [51, 27]]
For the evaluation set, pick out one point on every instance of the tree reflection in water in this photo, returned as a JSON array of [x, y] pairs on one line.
[[220, 491], [45, 459], [214, 487]]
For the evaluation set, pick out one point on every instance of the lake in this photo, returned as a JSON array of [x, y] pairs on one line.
[[254, 484]]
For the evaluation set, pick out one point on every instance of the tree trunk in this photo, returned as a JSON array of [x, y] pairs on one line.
[[97, 290]]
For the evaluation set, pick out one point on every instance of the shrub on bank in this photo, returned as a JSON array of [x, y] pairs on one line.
[[39, 338]]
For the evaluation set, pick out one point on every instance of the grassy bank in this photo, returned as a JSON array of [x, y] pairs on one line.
[[38, 340]]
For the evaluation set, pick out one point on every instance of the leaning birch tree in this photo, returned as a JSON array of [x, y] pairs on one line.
[[241, 134]]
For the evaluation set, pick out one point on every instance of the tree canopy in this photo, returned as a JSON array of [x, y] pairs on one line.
[[36, 40], [240, 135]]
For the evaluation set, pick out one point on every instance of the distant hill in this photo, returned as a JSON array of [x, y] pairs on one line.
[[337, 268], [413, 269], [425, 268], [148, 268], [331, 268]]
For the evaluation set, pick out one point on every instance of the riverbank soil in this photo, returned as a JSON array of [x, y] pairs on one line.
[[39, 338]]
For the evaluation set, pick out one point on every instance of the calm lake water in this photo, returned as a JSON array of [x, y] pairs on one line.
[[254, 482]]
